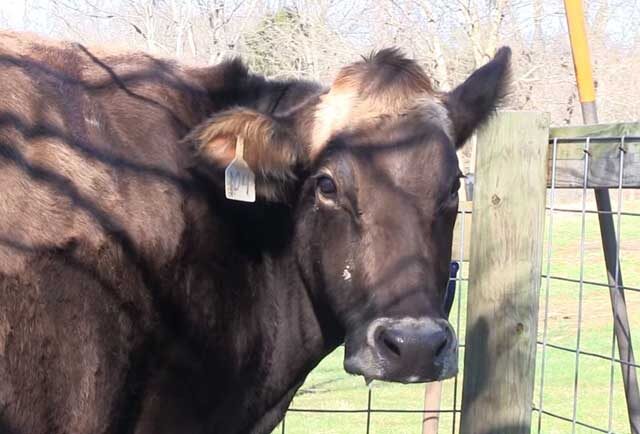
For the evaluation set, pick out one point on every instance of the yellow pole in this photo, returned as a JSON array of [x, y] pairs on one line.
[[580, 49]]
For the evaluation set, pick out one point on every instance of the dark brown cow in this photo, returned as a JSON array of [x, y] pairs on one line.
[[136, 298]]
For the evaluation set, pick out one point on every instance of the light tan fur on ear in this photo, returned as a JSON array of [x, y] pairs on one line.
[[385, 84], [270, 149]]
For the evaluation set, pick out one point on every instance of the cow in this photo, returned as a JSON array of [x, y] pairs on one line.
[[135, 297]]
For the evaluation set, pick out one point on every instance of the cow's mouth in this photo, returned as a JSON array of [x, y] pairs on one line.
[[406, 350]]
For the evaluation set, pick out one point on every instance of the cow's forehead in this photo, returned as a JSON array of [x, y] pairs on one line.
[[421, 170], [386, 84], [423, 133], [409, 154]]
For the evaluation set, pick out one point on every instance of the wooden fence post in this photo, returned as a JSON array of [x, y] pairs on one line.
[[505, 273]]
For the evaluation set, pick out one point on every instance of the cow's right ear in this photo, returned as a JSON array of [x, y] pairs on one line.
[[270, 149], [471, 103]]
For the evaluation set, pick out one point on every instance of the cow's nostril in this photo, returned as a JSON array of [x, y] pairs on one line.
[[442, 346], [389, 343], [410, 350]]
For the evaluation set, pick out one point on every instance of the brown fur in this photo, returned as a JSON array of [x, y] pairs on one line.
[[385, 84], [79, 106], [96, 202], [134, 298], [271, 150]]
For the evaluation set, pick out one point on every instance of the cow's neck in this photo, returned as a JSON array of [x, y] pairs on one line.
[[267, 333], [299, 340], [283, 340]]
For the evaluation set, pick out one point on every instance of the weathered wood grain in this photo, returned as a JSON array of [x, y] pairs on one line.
[[505, 269], [604, 156]]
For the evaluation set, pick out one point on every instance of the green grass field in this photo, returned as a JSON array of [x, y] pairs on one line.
[[329, 387]]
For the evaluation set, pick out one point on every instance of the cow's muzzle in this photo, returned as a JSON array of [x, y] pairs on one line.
[[407, 350]]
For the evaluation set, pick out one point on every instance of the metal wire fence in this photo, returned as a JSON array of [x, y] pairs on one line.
[[578, 385]]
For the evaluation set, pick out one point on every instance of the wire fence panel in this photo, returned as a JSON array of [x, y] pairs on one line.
[[579, 381]]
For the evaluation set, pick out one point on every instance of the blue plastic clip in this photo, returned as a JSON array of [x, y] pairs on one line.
[[450, 293]]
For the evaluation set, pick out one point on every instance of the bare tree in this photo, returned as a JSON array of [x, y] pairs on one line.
[[305, 38]]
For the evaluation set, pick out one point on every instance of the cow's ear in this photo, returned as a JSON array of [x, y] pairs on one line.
[[270, 148], [472, 102]]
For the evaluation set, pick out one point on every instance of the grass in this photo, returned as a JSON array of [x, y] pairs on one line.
[[329, 387]]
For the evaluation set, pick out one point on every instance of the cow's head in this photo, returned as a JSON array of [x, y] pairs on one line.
[[370, 169]]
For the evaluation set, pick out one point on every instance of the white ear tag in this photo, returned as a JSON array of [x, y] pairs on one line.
[[239, 180]]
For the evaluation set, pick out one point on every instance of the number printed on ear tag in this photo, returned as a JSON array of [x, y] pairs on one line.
[[239, 180]]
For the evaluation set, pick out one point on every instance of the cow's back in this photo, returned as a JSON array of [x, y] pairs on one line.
[[90, 205], [89, 145]]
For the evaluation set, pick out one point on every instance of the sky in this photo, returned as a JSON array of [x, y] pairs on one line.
[[622, 26]]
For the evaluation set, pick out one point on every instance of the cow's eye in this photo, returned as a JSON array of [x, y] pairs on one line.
[[326, 186]]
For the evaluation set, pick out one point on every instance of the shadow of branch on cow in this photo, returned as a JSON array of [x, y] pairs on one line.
[[137, 292], [65, 257], [156, 73], [68, 133]]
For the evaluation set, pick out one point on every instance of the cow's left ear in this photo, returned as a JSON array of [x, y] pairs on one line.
[[471, 103], [270, 149]]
